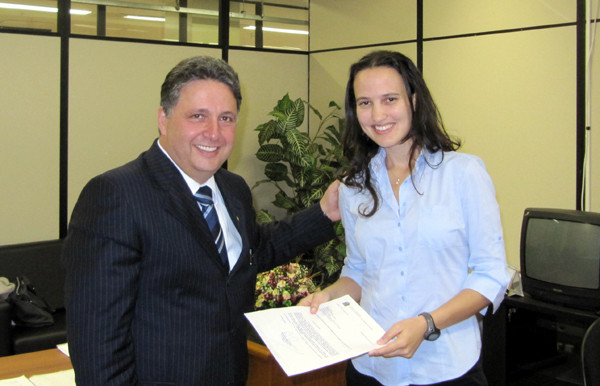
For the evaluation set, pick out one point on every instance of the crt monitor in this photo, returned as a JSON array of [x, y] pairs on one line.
[[560, 256]]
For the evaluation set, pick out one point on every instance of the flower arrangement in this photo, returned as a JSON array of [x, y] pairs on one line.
[[283, 286]]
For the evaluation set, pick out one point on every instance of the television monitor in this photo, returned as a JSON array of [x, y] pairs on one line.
[[560, 257]]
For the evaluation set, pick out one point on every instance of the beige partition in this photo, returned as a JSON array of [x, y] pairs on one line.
[[457, 17], [29, 150], [265, 78], [114, 94], [503, 85], [595, 124], [495, 91], [351, 23], [511, 99]]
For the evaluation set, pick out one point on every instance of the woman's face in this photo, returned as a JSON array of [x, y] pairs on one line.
[[382, 106]]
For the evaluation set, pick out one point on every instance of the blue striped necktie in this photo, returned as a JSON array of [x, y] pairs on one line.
[[204, 198]]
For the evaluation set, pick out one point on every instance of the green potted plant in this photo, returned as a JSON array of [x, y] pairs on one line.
[[301, 167]]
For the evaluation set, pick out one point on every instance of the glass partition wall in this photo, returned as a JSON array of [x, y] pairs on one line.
[[279, 24]]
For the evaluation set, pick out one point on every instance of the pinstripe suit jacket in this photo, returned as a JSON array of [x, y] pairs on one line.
[[148, 301]]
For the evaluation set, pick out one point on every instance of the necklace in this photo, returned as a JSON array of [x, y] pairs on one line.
[[397, 181]]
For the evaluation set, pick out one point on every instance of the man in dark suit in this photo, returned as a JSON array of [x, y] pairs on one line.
[[150, 299]]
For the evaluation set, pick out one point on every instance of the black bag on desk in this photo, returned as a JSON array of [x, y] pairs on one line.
[[29, 309]]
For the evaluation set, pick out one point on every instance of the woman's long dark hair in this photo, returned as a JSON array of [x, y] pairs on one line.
[[426, 131]]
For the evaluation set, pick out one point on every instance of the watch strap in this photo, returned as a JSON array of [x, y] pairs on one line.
[[432, 332]]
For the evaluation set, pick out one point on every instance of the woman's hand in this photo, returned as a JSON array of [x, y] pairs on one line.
[[402, 339]]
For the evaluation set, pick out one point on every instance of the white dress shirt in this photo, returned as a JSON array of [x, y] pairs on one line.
[[233, 240]]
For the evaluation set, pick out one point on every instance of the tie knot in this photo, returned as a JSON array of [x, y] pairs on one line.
[[204, 195]]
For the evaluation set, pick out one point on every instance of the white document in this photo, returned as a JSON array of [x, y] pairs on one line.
[[62, 378], [19, 381], [63, 348], [301, 341]]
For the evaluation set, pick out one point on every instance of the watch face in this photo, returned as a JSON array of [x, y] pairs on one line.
[[433, 335], [432, 332]]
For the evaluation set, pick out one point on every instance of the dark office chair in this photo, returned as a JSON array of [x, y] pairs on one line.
[[590, 355]]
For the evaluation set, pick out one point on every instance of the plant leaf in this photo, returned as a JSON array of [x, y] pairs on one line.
[[261, 182], [333, 104], [317, 113], [299, 111], [290, 117], [276, 171], [263, 216], [270, 152], [297, 143], [283, 104], [267, 131], [283, 201]]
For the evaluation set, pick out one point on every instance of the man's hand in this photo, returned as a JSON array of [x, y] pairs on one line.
[[343, 286], [330, 201], [314, 300]]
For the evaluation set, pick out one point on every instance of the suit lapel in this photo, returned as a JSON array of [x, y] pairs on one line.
[[179, 201], [236, 211]]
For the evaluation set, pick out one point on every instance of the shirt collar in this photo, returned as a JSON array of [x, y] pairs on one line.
[[425, 158], [191, 183]]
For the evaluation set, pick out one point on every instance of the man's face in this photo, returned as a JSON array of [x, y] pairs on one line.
[[199, 132]]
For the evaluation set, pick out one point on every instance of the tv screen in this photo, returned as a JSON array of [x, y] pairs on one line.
[[560, 256]]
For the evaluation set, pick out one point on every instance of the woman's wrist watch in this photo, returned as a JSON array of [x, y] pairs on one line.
[[432, 332]]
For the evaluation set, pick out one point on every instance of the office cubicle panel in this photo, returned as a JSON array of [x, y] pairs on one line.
[[503, 74], [336, 24], [265, 78], [114, 95], [463, 17], [595, 124], [29, 149], [511, 99]]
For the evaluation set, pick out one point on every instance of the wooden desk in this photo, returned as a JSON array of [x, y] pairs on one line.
[[265, 371], [34, 363]]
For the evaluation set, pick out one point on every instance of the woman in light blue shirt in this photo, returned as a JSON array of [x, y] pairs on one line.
[[425, 251]]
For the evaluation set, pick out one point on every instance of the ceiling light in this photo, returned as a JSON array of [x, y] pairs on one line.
[[38, 8], [281, 30], [146, 18]]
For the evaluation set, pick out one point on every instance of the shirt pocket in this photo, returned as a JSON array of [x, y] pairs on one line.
[[441, 227]]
